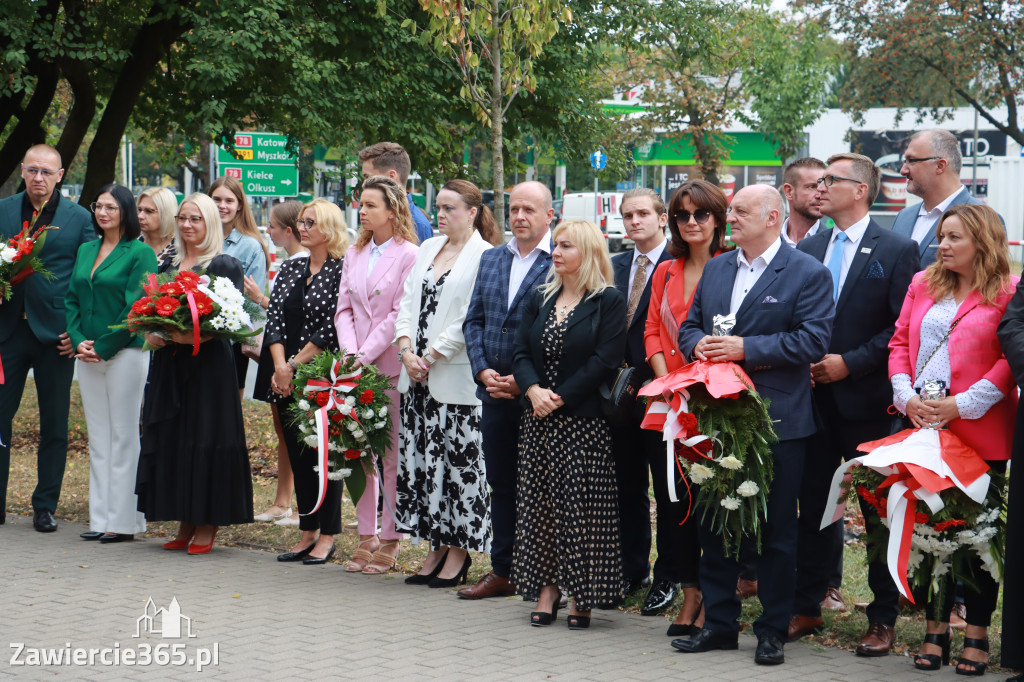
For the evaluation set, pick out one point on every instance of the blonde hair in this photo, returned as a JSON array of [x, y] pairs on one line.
[[397, 203], [331, 223], [595, 273], [243, 222], [991, 262], [213, 243], [166, 208]]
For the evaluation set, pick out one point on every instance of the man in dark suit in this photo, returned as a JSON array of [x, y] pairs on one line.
[[783, 306], [506, 276], [871, 270], [33, 329], [644, 218], [931, 165]]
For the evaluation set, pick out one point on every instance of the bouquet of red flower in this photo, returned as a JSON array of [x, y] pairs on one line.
[[19, 256], [189, 301], [343, 413]]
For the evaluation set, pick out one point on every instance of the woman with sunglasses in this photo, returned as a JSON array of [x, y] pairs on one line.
[[697, 226]]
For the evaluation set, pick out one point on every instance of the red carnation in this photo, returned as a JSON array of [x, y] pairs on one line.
[[204, 306], [921, 517], [166, 305], [367, 397], [335, 416], [322, 398], [188, 280], [172, 289], [352, 454], [688, 421], [946, 525]]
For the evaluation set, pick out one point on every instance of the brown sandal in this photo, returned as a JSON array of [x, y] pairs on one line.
[[361, 558], [382, 562]]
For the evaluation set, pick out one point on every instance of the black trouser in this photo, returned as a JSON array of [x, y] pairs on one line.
[[326, 519], [678, 541], [499, 427]]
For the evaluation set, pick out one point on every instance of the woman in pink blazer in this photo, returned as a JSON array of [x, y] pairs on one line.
[[372, 281], [964, 294]]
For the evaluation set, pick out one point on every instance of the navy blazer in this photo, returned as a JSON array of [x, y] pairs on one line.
[[929, 247], [592, 348], [866, 313], [636, 355], [490, 326], [785, 321]]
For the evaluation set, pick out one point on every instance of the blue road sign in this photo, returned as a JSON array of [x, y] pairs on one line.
[[598, 160]]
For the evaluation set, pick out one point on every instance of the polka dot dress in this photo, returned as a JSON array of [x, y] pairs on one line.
[[567, 530]]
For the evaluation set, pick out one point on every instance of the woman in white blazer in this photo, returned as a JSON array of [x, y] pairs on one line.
[[442, 488], [372, 282]]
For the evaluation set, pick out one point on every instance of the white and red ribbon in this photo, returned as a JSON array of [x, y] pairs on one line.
[[336, 386]]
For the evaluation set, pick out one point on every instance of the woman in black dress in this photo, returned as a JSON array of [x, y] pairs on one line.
[[194, 464], [300, 325], [571, 339]]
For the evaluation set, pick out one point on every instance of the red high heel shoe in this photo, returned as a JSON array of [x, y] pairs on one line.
[[203, 549], [180, 544]]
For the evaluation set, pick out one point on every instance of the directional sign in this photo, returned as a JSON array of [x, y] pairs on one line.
[[262, 163], [598, 160]]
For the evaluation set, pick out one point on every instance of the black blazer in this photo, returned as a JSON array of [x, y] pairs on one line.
[[592, 349], [866, 313], [636, 354]]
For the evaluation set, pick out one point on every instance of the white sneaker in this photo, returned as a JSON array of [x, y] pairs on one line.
[[287, 521], [267, 517]]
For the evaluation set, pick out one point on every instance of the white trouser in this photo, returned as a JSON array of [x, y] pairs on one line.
[[112, 397]]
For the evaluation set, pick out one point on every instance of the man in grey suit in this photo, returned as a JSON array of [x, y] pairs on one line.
[[931, 165]]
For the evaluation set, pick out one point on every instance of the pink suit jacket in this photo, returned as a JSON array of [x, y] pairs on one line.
[[368, 305], [974, 354]]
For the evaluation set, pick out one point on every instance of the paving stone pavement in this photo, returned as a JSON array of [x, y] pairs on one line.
[[266, 620]]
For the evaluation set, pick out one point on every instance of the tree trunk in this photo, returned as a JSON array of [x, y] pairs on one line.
[[706, 154], [497, 105], [29, 130], [82, 111]]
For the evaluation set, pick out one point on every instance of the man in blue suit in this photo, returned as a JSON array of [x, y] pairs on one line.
[[506, 276], [871, 269], [391, 160], [782, 300], [33, 329], [931, 165]]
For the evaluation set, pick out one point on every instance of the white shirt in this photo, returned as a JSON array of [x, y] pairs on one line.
[[748, 273], [810, 233], [854, 235], [926, 219], [375, 253], [521, 264], [653, 255]]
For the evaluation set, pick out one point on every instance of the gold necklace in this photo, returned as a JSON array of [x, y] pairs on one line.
[[563, 309]]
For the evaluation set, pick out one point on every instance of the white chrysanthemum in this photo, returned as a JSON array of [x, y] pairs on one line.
[[303, 404], [748, 489], [700, 473], [7, 254], [311, 441], [333, 447], [730, 503], [940, 569], [966, 536], [730, 462], [914, 560]]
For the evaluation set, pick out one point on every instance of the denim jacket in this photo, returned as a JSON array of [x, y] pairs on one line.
[[250, 254]]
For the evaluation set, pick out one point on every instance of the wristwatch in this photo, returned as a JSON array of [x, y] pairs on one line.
[[430, 359], [291, 361]]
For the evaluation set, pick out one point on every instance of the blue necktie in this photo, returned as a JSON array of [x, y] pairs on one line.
[[835, 263]]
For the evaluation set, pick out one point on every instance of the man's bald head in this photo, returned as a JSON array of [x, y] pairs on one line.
[[45, 150], [755, 218], [41, 170], [534, 188]]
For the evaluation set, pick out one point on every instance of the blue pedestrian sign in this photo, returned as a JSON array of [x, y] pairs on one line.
[[598, 160]]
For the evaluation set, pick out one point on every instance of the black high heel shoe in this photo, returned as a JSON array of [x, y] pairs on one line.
[[459, 577], [932, 661], [680, 630], [576, 622], [424, 579], [542, 619], [979, 667]]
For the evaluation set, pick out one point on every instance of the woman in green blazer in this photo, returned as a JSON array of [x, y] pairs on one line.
[[112, 367]]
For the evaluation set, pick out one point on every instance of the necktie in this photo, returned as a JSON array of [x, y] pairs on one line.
[[835, 263], [637, 289]]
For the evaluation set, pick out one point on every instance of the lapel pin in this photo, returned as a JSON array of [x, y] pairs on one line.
[[865, 250]]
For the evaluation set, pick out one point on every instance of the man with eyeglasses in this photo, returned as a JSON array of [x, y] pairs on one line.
[[871, 270], [800, 187], [33, 330], [931, 165]]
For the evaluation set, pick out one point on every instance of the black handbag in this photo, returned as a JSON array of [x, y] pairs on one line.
[[619, 403]]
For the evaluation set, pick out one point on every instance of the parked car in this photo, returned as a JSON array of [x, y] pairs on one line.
[[580, 206], [557, 218]]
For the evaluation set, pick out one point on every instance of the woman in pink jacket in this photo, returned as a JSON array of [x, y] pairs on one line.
[[947, 331], [372, 281]]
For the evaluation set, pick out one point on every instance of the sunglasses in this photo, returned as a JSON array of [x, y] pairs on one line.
[[700, 216]]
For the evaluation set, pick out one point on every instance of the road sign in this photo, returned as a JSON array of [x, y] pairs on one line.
[[262, 163], [598, 160]]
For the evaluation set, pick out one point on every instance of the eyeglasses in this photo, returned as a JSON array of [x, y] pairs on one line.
[[185, 219], [908, 160], [29, 171], [830, 180], [700, 216], [308, 224], [104, 208]]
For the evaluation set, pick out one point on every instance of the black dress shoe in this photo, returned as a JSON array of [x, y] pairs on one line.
[[91, 535], [314, 561], [659, 598], [631, 585], [43, 521], [769, 650], [707, 640], [296, 556], [116, 537]]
